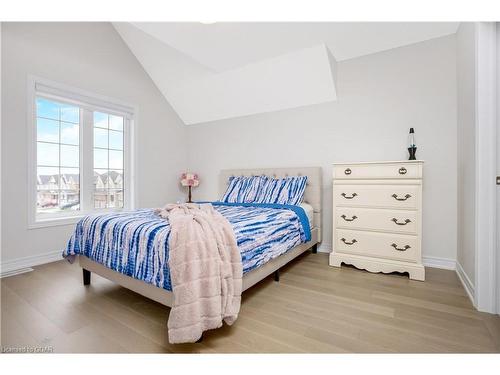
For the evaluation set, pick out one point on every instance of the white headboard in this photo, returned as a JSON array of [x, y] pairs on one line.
[[312, 194]]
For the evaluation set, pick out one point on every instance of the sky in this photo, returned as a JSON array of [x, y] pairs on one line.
[[56, 120]]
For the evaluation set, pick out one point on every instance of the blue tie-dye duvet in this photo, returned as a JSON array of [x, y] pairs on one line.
[[135, 243]]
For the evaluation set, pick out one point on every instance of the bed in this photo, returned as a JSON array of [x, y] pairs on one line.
[[311, 206]]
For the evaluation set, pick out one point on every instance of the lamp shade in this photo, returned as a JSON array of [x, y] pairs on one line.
[[189, 179]]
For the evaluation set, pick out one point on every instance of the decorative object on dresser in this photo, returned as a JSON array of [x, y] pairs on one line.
[[190, 180], [377, 216], [412, 147]]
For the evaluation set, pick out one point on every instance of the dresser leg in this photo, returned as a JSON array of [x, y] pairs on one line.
[[86, 276], [277, 275], [417, 273], [335, 261], [314, 249]]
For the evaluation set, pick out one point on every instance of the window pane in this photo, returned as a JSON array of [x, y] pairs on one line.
[[47, 154], [100, 188], [111, 180], [120, 199], [115, 140], [70, 114], [70, 133], [115, 198], [100, 120], [47, 189], [115, 159], [100, 179], [47, 130], [100, 198], [47, 178], [70, 156], [58, 173], [116, 122], [117, 177], [108, 161], [69, 196], [100, 138], [47, 201], [100, 158], [47, 109], [71, 178]]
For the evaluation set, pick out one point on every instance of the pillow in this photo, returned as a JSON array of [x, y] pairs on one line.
[[288, 190], [292, 190], [269, 192], [263, 189], [243, 189]]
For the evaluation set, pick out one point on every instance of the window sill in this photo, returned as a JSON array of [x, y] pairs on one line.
[[54, 222], [68, 220]]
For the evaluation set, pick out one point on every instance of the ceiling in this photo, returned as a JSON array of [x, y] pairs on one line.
[[209, 72], [223, 46], [199, 95]]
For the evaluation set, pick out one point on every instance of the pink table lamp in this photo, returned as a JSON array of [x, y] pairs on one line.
[[190, 180]]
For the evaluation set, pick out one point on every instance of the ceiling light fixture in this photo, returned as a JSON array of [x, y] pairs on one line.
[[208, 22]]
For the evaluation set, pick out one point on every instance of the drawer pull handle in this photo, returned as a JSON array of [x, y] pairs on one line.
[[402, 170], [348, 171], [351, 219], [395, 196], [399, 248], [347, 242], [352, 195], [398, 223]]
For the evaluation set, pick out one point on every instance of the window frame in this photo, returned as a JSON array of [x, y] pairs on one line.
[[88, 103]]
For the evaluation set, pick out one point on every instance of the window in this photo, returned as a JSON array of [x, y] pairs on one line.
[[58, 156], [108, 161], [81, 154]]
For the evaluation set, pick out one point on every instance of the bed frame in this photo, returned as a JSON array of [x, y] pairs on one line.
[[312, 196]]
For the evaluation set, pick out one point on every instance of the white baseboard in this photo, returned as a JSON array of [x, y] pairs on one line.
[[22, 265], [15, 272], [325, 248], [468, 285], [443, 263]]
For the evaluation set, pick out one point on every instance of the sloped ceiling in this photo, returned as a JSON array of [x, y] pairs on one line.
[[298, 78], [216, 71], [228, 45]]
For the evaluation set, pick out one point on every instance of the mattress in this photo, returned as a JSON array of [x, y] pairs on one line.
[[135, 243]]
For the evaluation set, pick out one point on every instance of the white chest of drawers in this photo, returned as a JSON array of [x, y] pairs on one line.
[[377, 216]]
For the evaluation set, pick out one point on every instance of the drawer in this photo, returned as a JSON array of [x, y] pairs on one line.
[[401, 221], [388, 196], [377, 171], [381, 245]]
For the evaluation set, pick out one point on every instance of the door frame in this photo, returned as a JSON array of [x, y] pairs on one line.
[[486, 277], [498, 166]]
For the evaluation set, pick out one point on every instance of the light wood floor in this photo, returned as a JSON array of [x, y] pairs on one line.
[[314, 308]]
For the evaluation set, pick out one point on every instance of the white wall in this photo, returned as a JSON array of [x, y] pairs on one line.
[[466, 155], [380, 97], [93, 57]]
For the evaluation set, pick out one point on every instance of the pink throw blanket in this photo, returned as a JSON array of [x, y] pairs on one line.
[[205, 269]]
